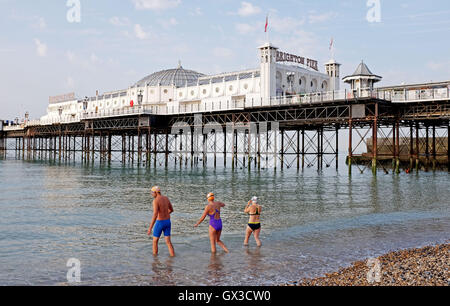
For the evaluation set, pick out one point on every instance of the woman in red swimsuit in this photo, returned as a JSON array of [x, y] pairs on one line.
[[215, 223]]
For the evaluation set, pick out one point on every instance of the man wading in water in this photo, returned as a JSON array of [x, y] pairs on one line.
[[162, 208]]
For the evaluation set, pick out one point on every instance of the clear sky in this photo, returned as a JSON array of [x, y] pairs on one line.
[[118, 42]]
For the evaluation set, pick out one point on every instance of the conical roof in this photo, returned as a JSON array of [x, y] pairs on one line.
[[363, 71]]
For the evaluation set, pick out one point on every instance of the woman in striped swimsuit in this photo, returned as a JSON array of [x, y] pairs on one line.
[[254, 223], [215, 222]]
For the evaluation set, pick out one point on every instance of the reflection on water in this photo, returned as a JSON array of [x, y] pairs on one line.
[[163, 271], [215, 269], [312, 222]]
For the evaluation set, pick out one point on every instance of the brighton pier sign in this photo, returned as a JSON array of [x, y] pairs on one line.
[[286, 57]]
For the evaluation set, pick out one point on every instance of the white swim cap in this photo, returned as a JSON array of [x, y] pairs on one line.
[[255, 199]]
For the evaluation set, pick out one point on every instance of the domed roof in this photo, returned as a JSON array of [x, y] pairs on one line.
[[177, 77]]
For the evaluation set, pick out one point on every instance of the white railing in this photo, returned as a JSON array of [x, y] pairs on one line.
[[140, 110], [13, 127], [215, 106], [314, 98], [407, 95]]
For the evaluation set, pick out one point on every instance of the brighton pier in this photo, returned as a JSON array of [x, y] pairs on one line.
[[282, 115]]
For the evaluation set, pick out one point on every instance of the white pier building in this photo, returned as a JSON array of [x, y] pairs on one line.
[[180, 90]]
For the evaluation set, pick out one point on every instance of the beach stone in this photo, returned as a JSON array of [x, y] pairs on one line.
[[428, 266]]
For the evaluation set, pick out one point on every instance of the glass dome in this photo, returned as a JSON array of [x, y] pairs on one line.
[[177, 77]]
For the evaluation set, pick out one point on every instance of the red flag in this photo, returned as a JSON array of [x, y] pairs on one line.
[[267, 23], [331, 43], [131, 103]]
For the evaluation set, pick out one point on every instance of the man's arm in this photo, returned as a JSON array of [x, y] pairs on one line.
[[155, 215]]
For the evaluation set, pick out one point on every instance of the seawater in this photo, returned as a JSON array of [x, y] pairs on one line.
[[313, 222]]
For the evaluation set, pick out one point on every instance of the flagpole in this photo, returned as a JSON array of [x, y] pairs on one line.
[[332, 48]]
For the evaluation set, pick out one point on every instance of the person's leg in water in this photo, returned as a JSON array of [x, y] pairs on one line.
[[219, 242], [157, 231], [212, 238], [256, 235], [248, 233], [169, 246], [155, 245], [167, 230]]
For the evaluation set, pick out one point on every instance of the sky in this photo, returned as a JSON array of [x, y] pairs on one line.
[[46, 50]]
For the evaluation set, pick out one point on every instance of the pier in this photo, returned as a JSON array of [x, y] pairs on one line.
[[299, 131]]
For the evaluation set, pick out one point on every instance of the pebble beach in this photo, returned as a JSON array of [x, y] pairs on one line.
[[427, 266]]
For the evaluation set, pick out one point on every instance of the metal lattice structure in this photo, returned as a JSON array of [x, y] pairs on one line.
[[282, 136]]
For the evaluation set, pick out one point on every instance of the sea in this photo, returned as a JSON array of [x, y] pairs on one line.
[[314, 221]]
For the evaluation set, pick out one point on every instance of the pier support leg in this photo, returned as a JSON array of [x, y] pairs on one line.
[[2, 143], [448, 147], [433, 147], [132, 149], [233, 155], [397, 148], [394, 145], [192, 147], [93, 146], [249, 144], [411, 146], [282, 148], [337, 147], [224, 146], [318, 149], [303, 148], [155, 146], [375, 141], [321, 151], [417, 148], [139, 157], [298, 149], [166, 163], [204, 148], [147, 145], [60, 146], [215, 149], [427, 148], [350, 145], [109, 147]]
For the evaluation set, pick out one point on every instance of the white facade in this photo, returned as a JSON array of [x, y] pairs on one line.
[[210, 93]]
